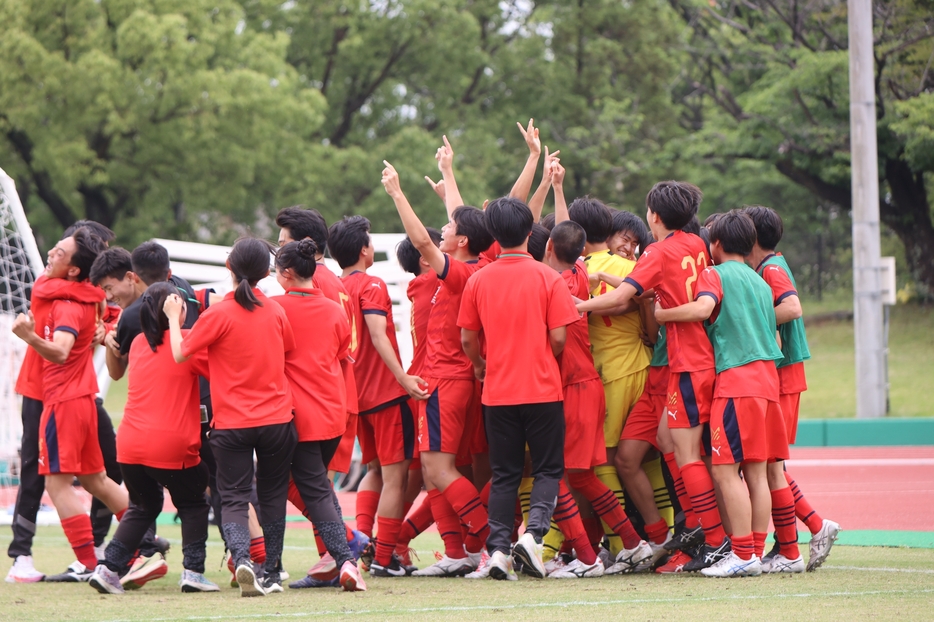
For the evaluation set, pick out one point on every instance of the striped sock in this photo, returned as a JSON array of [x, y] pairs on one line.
[[554, 541], [387, 535], [464, 498], [258, 549], [803, 509], [610, 478], [606, 505], [703, 500], [416, 522], [653, 469], [657, 532], [743, 546], [786, 527], [449, 525], [690, 520], [569, 522]]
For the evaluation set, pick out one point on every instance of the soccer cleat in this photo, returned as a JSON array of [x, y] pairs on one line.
[[76, 573], [162, 545], [821, 543], [530, 553], [780, 564], [732, 566], [483, 566], [192, 581], [144, 570], [606, 557], [358, 544], [351, 579], [325, 570], [772, 553], [446, 567], [675, 563], [658, 550], [628, 560], [476, 559], [272, 583], [557, 562], [392, 569], [367, 554], [306, 582], [577, 569], [405, 558], [501, 567], [709, 555], [105, 581], [685, 539], [22, 571], [249, 584]]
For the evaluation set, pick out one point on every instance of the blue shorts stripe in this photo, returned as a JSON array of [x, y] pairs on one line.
[[51, 444], [433, 415], [408, 430], [731, 428], [689, 398], [705, 440]]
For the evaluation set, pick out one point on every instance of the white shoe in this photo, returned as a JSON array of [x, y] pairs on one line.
[[733, 566], [23, 571], [483, 567], [629, 559], [476, 559], [99, 551], [821, 543], [779, 563], [249, 584], [658, 550], [446, 567], [529, 553], [605, 557], [578, 570], [555, 564], [105, 581], [192, 581], [501, 567]]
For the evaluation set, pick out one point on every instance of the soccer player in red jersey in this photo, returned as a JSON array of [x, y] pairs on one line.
[[453, 392], [158, 445], [521, 306], [320, 409], [746, 423], [68, 435], [787, 501], [386, 428], [671, 267], [247, 336]]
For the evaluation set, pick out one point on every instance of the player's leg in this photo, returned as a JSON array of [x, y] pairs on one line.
[[274, 450], [368, 491], [101, 516], [28, 498]]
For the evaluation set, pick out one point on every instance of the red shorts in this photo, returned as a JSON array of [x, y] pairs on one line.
[[340, 461], [444, 416], [790, 403], [746, 429], [387, 435], [68, 438], [690, 394], [643, 420], [584, 412]]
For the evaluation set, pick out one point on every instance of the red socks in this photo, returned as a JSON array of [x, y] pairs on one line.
[[78, 531], [449, 525], [744, 546], [594, 532], [690, 520], [258, 550], [606, 505], [786, 526], [699, 486], [803, 509], [464, 498], [758, 538], [416, 522], [388, 534], [657, 532], [485, 494], [367, 501], [568, 518]]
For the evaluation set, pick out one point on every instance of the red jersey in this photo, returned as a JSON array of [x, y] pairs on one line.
[[110, 316], [515, 301], [420, 292], [246, 359], [576, 361], [671, 266], [446, 358], [161, 426], [489, 255], [46, 291], [76, 377], [322, 338], [334, 289], [791, 377], [376, 386]]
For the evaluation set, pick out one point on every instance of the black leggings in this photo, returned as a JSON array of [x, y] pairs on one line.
[[186, 487]]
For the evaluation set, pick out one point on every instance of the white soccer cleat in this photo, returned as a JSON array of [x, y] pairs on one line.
[[733, 566], [529, 553], [446, 567], [779, 563], [578, 570], [555, 564], [249, 584], [23, 571], [483, 566], [628, 560], [821, 543], [501, 567], [658, 550]]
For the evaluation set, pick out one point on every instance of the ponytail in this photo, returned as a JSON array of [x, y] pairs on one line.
[[244, 295], [248, 262], [152, 319]]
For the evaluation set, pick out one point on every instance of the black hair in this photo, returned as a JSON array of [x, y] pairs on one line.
[[409, 256], [627, 222], [471, 224], [304, 223], [299, 257], [249, 262], [509, 220], [768, 223], [88, 245], [567, 240], [712, 218], [548, 221], [112, 263], [538, 241], [151, 262], [693, 226], [675, 202], [106, 235], [705, 236], [593, 216], [346, 238], [152, 319], [735, 231]]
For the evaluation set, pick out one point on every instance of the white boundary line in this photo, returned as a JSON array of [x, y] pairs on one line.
[[861, 462], [865, 569]]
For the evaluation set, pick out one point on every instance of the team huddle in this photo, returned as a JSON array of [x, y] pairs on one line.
[[588, 396]]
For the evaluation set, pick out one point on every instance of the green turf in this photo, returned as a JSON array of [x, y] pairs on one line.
[[855, 583]]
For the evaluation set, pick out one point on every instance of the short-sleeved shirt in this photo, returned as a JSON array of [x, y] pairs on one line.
[[322, 338], [576, 361], [129, 326], [75, 378], [672, 267], [420, 292], [516, 301], [377, 388], [246, 359], [333, 289], [445, 358], [161, 426], [791, 368]]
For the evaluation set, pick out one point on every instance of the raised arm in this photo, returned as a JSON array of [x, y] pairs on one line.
[[452, 195], [414, 228], [537, 202], [520, 190], [696, 311], [557, 183]]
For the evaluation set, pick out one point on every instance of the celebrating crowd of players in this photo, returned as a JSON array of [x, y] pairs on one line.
[[626, 393]]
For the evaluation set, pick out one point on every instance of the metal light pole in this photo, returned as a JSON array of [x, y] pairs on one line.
[[867, 285]]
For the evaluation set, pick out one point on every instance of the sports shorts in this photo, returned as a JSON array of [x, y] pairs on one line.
[[746, 429], [443, 418], [690, 395], [68, 442], [790, 403], [387, 435], [584, 411], [621, 396], [340, 462]]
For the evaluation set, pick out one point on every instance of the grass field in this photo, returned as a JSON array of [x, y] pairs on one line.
[[856, 583]]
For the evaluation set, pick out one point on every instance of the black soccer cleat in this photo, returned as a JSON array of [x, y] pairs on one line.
[[708, 556]]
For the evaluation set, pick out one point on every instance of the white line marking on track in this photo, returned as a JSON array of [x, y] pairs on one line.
[[864, 569], [862, 462]]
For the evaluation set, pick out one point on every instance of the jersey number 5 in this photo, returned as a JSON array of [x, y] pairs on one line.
[[353, 322], [696, 265]]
